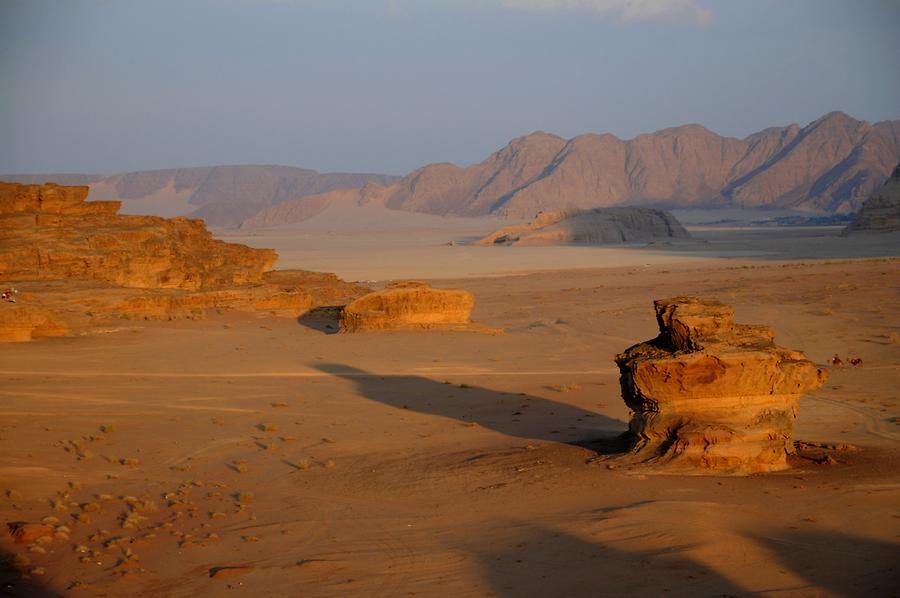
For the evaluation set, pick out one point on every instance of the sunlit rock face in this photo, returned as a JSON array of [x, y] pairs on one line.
[[406, 305], [71, 265], [709, 395], [50, 232]]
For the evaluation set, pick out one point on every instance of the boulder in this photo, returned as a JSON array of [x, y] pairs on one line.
[[709, 395], [408, 304], [600, 226]]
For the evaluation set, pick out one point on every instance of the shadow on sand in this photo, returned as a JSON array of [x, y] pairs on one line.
[[325, 319], [534, 560], [519, 415], [13, 584], [538, 561], [843, 564]]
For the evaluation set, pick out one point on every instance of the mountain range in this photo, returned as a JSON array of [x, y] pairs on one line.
[[222, 195], [829, 166]]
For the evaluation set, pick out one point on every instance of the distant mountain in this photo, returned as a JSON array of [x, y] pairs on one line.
[[829, 166], [221, 195]]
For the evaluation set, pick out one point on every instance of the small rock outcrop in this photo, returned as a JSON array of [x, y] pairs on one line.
[[709, 395], [600, 226], [881, 212], [408, 304]]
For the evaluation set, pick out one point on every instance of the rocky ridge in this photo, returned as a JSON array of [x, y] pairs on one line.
[[711, 396], [830, 165], [599, 226]]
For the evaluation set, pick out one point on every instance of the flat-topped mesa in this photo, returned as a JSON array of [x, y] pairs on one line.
[[50, 232], [712, 396], [408, 304]]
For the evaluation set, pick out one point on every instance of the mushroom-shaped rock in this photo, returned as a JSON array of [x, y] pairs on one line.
[[408, 304], [710, 395]]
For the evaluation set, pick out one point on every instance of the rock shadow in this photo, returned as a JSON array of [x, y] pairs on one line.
[[324, 319], [14, 584], [514, 414], [841, 563], [538, 561]]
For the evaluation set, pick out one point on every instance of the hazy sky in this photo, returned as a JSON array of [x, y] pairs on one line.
[[389, 85]]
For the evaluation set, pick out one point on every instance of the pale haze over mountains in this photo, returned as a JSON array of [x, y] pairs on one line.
[[829, 166]]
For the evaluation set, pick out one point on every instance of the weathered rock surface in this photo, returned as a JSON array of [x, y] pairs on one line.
[[78, 264], [49, 232], [881, 212], [20, 323], [408, 304], [600, 226], [709, 395]]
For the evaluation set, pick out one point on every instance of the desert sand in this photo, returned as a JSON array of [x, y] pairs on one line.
[[255, 455]]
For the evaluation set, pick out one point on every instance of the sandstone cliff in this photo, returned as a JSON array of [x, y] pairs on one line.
[[881, 212], [48, 232], [709, 395], [408, 304], [80, 263], [600, 226]]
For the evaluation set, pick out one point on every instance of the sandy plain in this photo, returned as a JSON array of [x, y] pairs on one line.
[[271, 457]]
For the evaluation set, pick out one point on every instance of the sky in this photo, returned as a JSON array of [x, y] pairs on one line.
[[102, 86]]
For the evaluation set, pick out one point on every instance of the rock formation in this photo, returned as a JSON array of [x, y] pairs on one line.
[[600, 226], [50, 232], [709, 395], [881, 212], [408, 304], [78, 262]]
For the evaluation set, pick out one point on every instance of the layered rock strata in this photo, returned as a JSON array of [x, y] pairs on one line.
[[709, 395], [50, 232], [78, 264], [600, 226], [406, 305], [881, 212]]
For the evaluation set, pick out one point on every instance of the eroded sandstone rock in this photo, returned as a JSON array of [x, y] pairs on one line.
[[80, 264], [711, 395], [408, 304], [50, 232]]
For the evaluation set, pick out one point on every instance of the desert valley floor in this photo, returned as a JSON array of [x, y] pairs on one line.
[[270, 456]]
